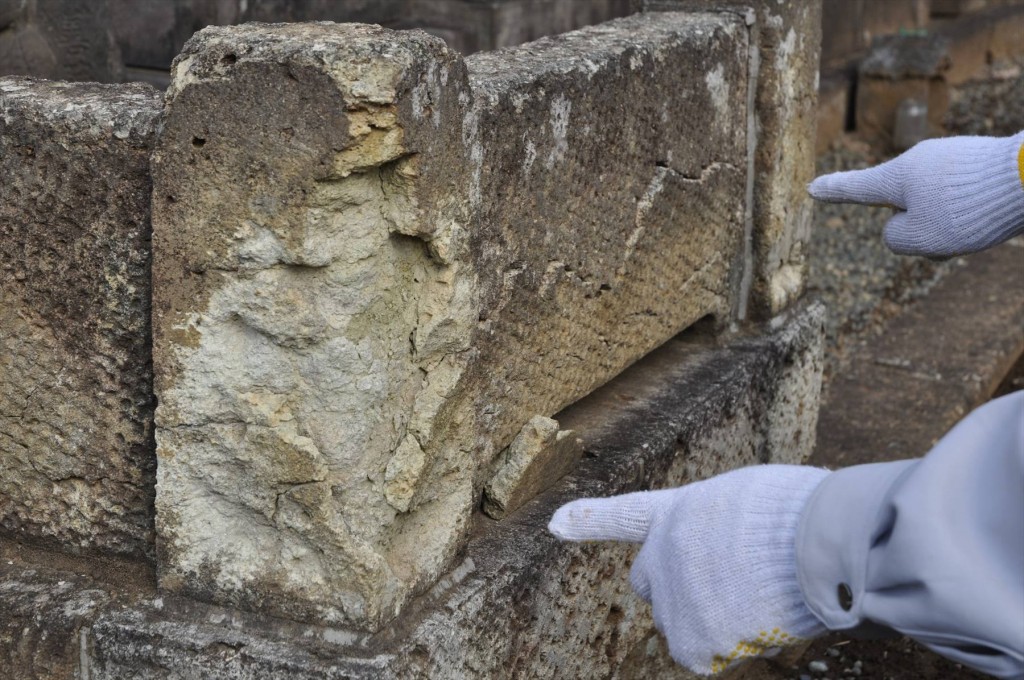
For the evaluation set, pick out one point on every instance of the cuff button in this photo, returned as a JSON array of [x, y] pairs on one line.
[[845, 597]]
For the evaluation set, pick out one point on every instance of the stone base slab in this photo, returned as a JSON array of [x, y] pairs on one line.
[[520, 604]]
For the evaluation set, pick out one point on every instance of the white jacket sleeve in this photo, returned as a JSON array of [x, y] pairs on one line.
[[932, 548]]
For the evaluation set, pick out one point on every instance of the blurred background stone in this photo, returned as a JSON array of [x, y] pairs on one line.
[[59, 40]]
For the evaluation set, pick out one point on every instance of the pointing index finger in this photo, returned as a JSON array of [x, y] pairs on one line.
[[880, 185], [620, 518]]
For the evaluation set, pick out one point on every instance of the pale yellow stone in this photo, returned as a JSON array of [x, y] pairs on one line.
[[539, 456]]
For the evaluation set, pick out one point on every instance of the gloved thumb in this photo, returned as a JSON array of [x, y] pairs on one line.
[[619, 518], [880, 185], [901, 237]]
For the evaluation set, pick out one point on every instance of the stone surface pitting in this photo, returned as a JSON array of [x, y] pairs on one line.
[[520, 603], [368, 282], [76, 406]]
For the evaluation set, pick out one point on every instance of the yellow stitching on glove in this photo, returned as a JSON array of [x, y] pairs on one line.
[[1020, 163], [766, 640]]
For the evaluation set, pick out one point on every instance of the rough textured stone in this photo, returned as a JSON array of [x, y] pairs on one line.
[[66, 604], [785, 53], [59, 39], [364, 287], [520, 603], [76, 404], [539, 455]]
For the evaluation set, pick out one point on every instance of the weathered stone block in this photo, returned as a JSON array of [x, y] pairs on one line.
[[365, 286], [538, 456], [785, 49], [76, 404]]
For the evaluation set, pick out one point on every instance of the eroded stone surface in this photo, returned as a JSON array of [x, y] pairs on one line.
[[76, 405], [287, 307], [789, 35], [366, 285], [67, 604]]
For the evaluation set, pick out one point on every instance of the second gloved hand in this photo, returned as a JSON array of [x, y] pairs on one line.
[[718, 562], [953, 196]]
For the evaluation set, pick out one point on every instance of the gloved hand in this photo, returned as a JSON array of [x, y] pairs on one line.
[[954, 196], [718, 562]]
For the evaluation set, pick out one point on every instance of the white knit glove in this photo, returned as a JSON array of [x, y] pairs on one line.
[[954, 196], [718, 562]]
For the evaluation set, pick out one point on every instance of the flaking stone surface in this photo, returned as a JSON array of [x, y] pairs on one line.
[[537, 458], [375, 262], [76, 407]]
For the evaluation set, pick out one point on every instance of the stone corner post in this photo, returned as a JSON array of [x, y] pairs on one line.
[[302, 250]]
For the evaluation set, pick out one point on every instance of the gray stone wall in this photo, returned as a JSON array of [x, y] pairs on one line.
[[519, 603], [785, 40]]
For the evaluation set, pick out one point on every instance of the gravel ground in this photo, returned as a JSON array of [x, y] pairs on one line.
[[851, 270], [840, 658], [863, 284]]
